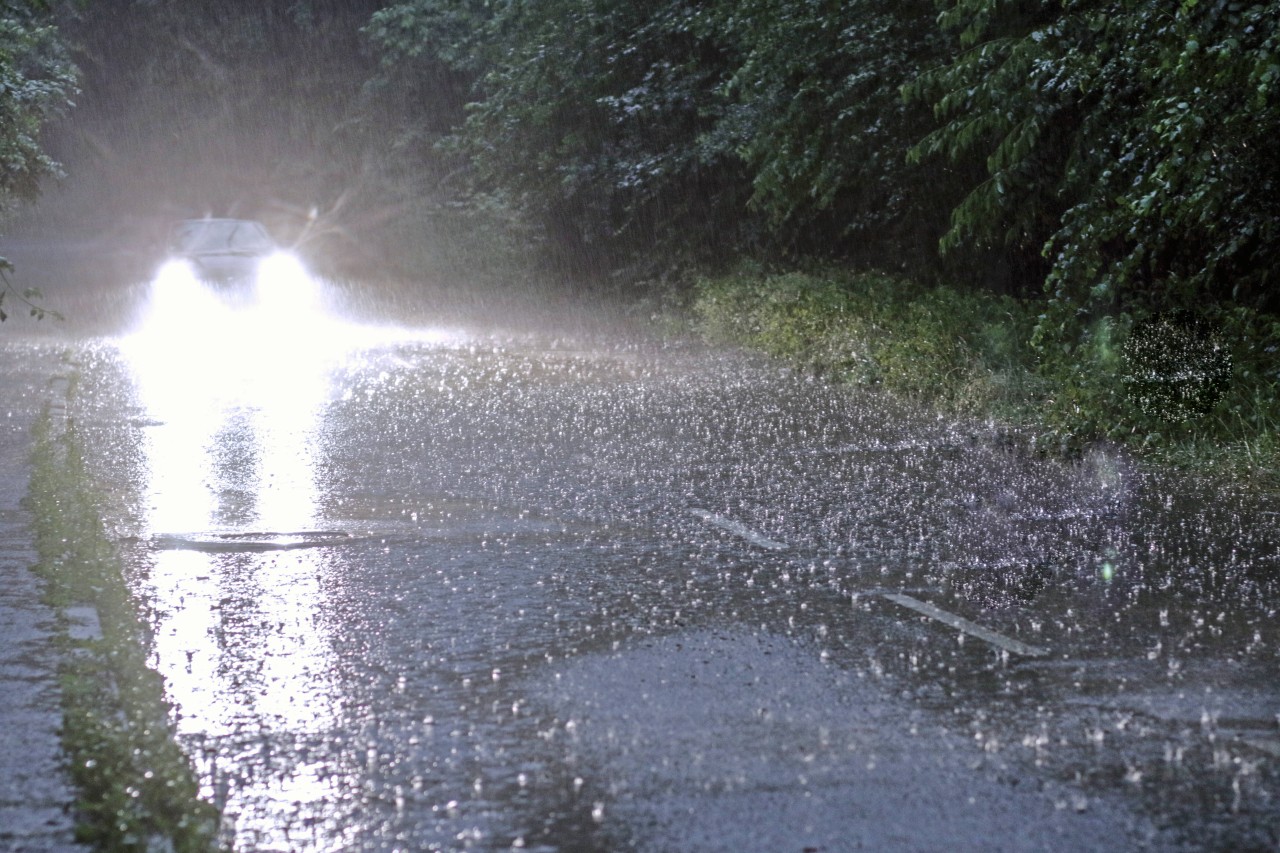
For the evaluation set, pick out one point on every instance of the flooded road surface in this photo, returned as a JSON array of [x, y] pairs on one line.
[[438, 589]]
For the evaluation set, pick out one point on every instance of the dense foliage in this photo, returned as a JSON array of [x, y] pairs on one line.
[[1111, 160], [1122, 148], [955, 350], [1118, 151], [593, 119], [702, 129], [37, 81], [1134, 141], [968, 352], [817, 121]]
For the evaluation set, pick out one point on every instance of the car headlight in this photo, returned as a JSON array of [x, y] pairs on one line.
[[175, 287], [175, 272], [283, 282], [280, 267], [178, 298]]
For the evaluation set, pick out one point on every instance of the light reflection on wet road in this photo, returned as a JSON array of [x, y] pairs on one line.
[[423, 592]]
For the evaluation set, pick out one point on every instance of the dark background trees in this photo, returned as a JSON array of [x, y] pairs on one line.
[[37, 82], [234, 107], [1119, 152], [704, 131], [1134, 141]]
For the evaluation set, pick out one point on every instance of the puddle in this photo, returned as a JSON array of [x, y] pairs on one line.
[[236, 542]]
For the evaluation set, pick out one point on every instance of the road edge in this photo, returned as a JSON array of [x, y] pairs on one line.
[[137, 788]]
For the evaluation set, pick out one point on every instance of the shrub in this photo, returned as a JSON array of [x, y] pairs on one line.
[[961, 350], [1069, 378]]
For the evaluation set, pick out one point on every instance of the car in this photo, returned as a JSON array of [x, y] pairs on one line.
[[236, 260], [221, 251]]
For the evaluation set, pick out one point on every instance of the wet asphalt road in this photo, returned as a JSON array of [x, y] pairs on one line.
[[444, 589]]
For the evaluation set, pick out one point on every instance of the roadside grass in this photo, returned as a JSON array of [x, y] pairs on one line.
[[137, 789], [982, 355], [937, 345]]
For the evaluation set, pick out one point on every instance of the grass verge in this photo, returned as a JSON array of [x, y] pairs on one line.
[[937, 345], [985, 355], [137, 788]]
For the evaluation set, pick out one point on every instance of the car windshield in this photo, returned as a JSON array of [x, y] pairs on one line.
[[220, 235]]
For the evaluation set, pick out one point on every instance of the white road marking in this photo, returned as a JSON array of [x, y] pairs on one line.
[[739, 530], [1271, 746], [961, 624], [995, 638]]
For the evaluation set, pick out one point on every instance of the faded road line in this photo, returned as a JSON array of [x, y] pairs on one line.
[[961, 624], [1271, 746], [739, 530], [958, 622]]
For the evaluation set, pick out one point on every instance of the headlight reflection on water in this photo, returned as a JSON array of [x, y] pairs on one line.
[[248, 364], [235, 388]]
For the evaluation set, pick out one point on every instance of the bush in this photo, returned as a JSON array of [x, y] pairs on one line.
[[1071, 380], [960, 350]]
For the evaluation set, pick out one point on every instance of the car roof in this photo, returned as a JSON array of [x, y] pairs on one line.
[[212, 219], [212, 235]]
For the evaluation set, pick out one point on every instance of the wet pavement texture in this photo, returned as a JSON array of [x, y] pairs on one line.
[[441, 590], [35, 796]]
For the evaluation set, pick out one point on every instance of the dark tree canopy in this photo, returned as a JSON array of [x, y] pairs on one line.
[[1120, 149], [1119, 152], [37, 82], [194, 106], [1134, 141]]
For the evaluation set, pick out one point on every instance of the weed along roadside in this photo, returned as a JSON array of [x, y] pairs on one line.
[[1200, 391], [136, 788]]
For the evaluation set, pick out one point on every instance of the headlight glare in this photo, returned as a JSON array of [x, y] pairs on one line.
[[283, 282], [175, 272]]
